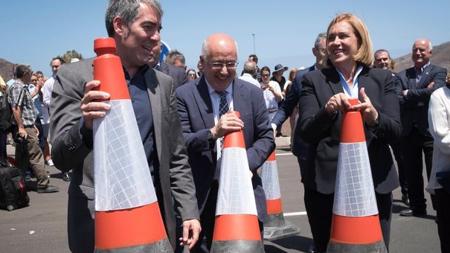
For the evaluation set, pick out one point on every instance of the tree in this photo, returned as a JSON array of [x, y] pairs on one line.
[[71, 54]]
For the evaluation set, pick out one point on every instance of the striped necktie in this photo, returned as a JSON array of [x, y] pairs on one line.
[[223, 104]]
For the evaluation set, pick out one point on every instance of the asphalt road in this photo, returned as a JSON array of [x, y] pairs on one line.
[[41, 227]]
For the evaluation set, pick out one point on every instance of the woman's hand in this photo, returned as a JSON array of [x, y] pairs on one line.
[[368, 111], [338, 102]]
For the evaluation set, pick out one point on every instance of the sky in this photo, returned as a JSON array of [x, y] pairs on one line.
[[284, 31]]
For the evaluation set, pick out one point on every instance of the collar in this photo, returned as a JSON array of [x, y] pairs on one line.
[[355, 87], [424, 66], [359, 68], [212, 91], [141, 70]]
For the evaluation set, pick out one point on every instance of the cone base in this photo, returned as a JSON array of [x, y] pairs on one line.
[[334, 247], [237, 246], [274, 220], [162, 246], [277, 227]]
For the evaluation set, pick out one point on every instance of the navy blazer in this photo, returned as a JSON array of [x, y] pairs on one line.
[[322, 131], [414, 106], [197, 117], [287, 106]]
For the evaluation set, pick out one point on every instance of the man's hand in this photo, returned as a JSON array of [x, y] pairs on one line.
[[22, 132], [404, 92], [229, 122], [430, 85], [191, 232], [92, 104]]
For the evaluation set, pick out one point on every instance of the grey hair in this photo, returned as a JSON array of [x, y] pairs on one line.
[[173, 55], [320, 36], [382, 51], [127, 10]]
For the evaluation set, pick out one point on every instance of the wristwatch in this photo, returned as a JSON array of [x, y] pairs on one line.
[[210, 138]]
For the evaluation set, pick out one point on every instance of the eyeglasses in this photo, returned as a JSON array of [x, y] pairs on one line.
[[265, 75], [219, 65], [34, 80]]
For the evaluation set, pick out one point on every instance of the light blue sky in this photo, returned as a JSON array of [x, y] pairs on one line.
[[35, 31]]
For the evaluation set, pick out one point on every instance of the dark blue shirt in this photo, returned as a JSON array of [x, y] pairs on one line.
[[143, 112]]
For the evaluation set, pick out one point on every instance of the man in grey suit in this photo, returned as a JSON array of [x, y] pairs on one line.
[[418, 83], [135, 25]]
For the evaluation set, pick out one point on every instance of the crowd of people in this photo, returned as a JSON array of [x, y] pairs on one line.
[[406, 112]]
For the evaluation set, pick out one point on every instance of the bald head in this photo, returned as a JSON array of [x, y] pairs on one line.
[[219, 60], [250, 67], [421, 52], [219, 43]]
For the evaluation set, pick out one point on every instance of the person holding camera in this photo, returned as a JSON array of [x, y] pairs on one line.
[[24, 129]]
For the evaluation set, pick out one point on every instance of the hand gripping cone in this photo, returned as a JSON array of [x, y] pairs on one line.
[[236, 228], [355, 224], [275, 226], [127, 217]]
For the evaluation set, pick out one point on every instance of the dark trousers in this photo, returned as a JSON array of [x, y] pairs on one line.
[[207, 221], [28, 152], [3, 156], [398, 155], [442, 201], [319, 208], [412, 147]]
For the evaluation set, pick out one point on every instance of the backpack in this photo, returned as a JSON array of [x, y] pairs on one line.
[[13, 193]]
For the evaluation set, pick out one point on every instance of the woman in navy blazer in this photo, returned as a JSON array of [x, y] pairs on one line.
[[324, 97]]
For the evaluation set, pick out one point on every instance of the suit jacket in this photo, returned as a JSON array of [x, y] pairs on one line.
[[322, 131], [197, 117], [414, 106], [72, 149], [287, 106], [178, 74]]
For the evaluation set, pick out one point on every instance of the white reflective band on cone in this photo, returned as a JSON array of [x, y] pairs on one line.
[[122, 178], [354, 192], [235, 194], [269, 177]]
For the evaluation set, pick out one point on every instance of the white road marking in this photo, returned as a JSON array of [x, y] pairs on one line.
[[295, 214], [283, 154]]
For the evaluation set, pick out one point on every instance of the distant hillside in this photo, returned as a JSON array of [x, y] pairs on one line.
[[6, 69], [440, 57]]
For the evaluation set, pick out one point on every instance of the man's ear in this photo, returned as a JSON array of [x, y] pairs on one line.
[[314, 51], [119, 26]]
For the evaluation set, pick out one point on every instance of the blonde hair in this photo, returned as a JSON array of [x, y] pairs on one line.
[[364, 53], [2, 85]]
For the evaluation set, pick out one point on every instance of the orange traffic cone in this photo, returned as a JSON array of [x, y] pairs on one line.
[[355, 224], [236, 228], [127, 217], [275, 226]]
